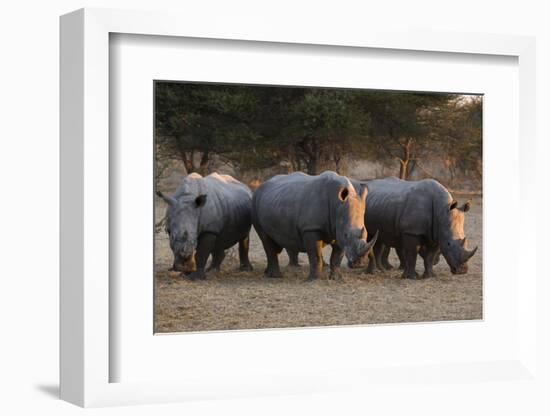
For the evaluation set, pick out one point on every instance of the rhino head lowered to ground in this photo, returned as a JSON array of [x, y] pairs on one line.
[[206, 216], [452, 241], [182, 227], [418, 214]]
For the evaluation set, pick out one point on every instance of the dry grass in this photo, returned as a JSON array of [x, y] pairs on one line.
[[243, 300]]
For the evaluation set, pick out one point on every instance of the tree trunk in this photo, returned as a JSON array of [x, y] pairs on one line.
[[186, 158], [187, 162], [403, 169], [406, 146], [312, 165], [204, 163], [314, 158], [311, 153], [337, 159]]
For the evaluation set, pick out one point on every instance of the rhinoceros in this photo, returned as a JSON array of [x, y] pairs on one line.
[[380, 257], [302, 213], [413, 215], [207, 215], [292, 255]]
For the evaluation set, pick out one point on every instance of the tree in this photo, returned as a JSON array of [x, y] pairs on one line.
[[398, 124], [195, 121], [457, 128], [311, 129], [320, 126]]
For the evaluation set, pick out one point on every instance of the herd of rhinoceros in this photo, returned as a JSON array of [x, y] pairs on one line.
[[303, 213]]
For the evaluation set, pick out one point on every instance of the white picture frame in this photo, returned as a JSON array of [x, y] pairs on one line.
[[85, 165]]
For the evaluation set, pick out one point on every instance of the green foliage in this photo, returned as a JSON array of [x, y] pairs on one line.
[[457, 129], [254, 127]]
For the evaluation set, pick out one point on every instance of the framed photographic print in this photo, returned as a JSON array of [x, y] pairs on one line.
[[247, 214], [237, 168]]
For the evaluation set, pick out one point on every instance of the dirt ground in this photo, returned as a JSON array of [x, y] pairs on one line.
[[231, 299]]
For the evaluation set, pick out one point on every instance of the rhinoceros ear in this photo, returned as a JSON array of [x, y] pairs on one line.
[[168, 199], [200, 200], [466, 207], [343, 193], [453, 205]]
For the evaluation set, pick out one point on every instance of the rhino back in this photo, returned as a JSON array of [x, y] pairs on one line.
[[286, 206], [396, 207]]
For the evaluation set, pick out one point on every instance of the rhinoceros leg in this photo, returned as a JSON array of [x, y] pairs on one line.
[[380, 253], [423, 251], [217, 259], [314, 248], [205, 246], [272, 251], [293, 258], [409, 248], [384, 262], [372, 264], [399, 252], [243, 255], [429, 255], [375, 258], [336, 257]]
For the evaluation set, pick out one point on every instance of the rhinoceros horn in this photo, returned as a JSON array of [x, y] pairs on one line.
[[467, 254], [168, 199], [368, 245]]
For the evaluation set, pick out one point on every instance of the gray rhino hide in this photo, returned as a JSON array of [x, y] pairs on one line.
[[421, 208], [226, 212], [286, 206]]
